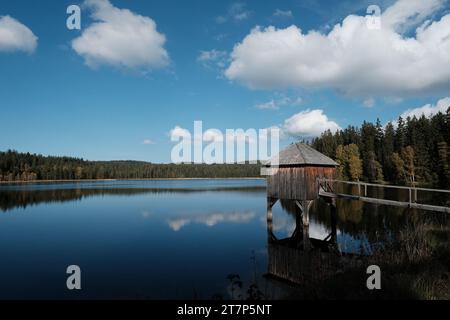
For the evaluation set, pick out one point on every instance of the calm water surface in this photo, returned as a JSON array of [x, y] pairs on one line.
[[156, 239]]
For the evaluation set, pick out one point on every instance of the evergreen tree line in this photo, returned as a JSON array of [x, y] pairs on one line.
[[412, 151], [15, 166]]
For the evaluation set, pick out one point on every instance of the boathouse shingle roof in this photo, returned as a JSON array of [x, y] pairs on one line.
[[302, 154]]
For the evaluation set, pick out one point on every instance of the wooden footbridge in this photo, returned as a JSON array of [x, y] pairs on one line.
[[327, 187]]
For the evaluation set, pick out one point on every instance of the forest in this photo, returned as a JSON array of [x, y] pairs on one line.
[[411, 151], [15, 166]]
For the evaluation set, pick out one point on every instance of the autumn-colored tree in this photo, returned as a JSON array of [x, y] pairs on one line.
[[78, 172], [350, 163], [408, 156], [399, 167], [355, 167], [380, 175], [341, 159]]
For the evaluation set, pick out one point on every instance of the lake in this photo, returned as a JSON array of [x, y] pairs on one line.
[[159, 239]]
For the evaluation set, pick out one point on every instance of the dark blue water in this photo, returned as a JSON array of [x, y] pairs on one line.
[[146, 239]]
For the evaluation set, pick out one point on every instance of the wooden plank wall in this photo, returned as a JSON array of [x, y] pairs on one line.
[[297, 183]]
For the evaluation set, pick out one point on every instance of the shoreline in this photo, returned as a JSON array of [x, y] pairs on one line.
[[111, 180]]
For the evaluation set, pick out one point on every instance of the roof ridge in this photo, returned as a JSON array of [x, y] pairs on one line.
[[300, 151], [302, 154]]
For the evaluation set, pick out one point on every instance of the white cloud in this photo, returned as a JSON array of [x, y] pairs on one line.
[[241, 16], [405, 14], [269, 105], [220, 36], [283, 13], [309, 123], [120, 38], [15, 36], [352, 58], [275, 104], [148, 142], [237, 12], [213, 58], [369, 102], [393, 100], [428, 110]]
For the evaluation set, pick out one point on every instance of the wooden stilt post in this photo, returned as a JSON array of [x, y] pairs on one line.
[[304, 206], [270, 204], [306, 213]]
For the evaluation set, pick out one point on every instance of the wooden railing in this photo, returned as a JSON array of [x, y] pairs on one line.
[[326, 190]]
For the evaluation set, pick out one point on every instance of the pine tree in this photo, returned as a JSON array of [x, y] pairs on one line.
[[400, 135], [444, 164], [368, 134], [388, 150]]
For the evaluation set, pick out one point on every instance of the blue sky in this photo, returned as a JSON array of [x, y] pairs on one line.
[[64, 99]]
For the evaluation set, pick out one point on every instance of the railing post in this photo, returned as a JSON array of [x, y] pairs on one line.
[[365, 190], [410, 196]]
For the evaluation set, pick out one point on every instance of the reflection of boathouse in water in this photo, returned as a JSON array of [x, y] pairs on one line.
[[300, 258]]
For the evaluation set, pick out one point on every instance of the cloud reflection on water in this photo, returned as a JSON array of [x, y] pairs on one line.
[[211, 219]]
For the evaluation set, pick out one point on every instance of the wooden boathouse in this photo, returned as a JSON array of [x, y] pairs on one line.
[[299, 168], [296, 172], [295, 176]]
